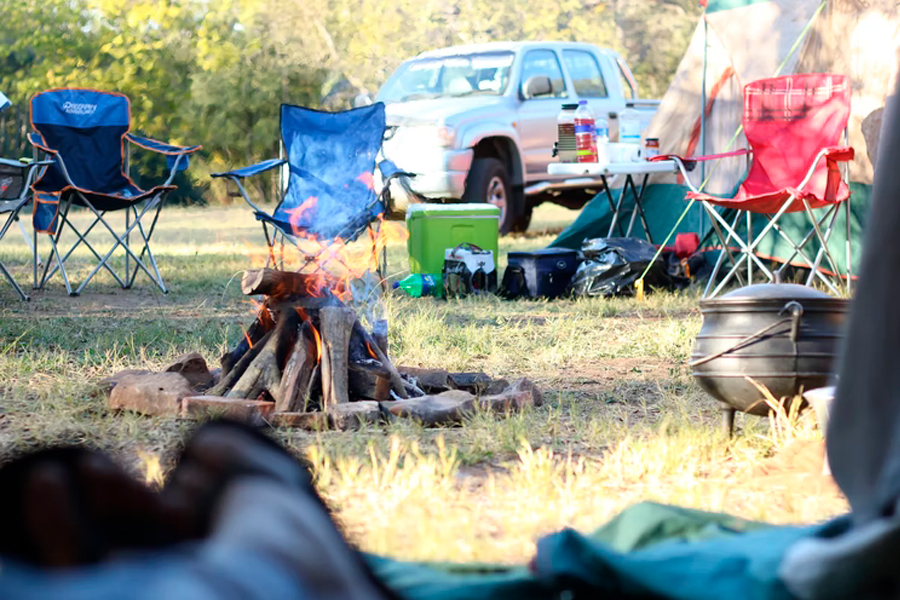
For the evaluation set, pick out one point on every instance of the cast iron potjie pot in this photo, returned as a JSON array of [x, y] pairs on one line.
[[783, 336]]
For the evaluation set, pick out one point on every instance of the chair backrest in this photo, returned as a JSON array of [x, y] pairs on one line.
[[87, 128], [332, 162], [787, 121]]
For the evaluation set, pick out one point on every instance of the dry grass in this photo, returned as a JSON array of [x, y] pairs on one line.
[[623, 420]]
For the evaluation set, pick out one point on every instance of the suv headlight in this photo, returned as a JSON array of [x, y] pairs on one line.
[[444, 136]]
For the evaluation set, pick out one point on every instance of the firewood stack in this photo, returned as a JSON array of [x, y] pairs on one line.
[[306, 350]]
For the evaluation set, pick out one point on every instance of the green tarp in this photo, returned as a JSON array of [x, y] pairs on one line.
[[648, 551], [664, 203], [717, 5]]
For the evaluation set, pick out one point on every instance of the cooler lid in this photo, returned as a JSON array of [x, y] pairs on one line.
[[416, 211], [543, 252]]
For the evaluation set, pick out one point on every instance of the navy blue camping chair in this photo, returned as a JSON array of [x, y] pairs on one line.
[[15, 193], [84, 132], [331, 192]]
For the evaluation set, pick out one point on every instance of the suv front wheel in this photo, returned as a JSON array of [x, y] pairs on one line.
[[488, 181]]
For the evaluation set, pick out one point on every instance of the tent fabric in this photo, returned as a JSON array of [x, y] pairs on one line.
[[4, 102], [648, 551]]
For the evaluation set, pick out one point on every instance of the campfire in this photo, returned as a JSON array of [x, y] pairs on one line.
[[315, 356], [306, 350], [306, 360]]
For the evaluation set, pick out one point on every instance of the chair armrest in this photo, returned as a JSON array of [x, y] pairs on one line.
[[390, 171], [37, 141], [840, 153], [256, 169], [160, 147]]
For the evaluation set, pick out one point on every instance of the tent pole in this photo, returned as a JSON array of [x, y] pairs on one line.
[[703, 110]]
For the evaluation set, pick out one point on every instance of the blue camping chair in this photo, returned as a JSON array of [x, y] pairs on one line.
[[84, 132], [330, 193], [16, 177]]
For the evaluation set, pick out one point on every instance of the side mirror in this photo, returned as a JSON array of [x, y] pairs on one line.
[[362, 99], [539, 85]]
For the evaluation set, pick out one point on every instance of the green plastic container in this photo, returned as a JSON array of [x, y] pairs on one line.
[[435, 227]]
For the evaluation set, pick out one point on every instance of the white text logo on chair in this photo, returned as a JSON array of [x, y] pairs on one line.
[[71, 108]]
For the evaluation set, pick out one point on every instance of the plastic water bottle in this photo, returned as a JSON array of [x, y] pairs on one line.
[[418, 285], [602, 140], [630, 125], [585, 133]]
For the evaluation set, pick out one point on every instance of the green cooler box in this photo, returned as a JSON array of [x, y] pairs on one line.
[[435, 227]]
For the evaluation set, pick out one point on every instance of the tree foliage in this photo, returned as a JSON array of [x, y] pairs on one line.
[[215, 71]]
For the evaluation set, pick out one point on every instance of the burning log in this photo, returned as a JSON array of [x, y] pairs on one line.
[[370, 380], [229, 379], [298, 372], [264, 372], [336, 324], [252, 337], [280, 284], [396, 380]]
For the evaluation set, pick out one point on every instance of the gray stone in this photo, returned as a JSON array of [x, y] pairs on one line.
[[311, 421], [475, 383], [194, 368], [522, 393], [107, 384], [255, 412], [151, 394], [446, 408], [432, 381], [351, 415]]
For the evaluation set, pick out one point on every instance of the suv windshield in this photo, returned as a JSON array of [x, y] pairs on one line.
[[448, 76]]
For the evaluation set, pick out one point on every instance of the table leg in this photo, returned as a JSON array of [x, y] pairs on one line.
[[614, 206], [639, 207]]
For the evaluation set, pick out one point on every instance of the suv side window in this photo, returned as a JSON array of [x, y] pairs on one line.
[[585, 73], [544, 62]]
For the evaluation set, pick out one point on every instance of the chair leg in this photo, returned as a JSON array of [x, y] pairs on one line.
[[12, 281], [153, 203], [13, 216], [848, 250], [146, 246], [129, 279], [82, 239]]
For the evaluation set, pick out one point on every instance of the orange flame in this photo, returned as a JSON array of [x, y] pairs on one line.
[[318, 342], [247, 337], [371, 351], [339, 262]]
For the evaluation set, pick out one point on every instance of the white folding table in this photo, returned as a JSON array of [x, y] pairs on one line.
[[603, 170]]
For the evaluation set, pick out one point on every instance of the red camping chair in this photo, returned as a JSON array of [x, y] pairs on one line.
[[794, 125]]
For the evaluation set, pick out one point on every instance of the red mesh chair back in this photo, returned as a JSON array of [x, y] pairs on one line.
[[787, 122]]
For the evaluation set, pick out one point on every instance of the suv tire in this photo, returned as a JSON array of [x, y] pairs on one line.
[[488, 181]]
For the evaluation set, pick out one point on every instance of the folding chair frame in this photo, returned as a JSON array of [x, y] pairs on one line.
[[148, 205], [747, 249], [12, 208]]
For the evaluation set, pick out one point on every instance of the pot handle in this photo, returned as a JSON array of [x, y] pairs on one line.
[[796, 310]]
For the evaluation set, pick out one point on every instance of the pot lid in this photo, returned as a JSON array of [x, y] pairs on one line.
[[774, 292], [766, 291]]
